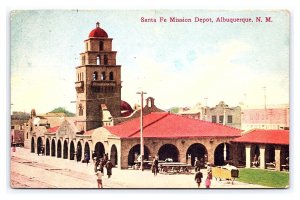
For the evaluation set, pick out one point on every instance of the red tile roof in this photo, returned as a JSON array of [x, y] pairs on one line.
[[265, 136], [53, 129], [166, 125]]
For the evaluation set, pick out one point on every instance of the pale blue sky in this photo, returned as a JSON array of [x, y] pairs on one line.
[[179, 64]]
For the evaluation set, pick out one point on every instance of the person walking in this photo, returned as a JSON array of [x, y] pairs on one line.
[[109, 167], [99, 179], [94, 156], [105, 158], [96, 166], [198, 178], [207, 182], [155, 166], [197, 165], [209, 174], [101, 165], [86, 158]]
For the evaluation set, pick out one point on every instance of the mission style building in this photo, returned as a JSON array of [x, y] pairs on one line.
[[100, 127]]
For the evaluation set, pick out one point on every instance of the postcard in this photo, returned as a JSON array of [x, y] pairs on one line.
[[185, 99]]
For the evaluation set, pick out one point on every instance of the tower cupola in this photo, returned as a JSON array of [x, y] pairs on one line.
[[98, 32]]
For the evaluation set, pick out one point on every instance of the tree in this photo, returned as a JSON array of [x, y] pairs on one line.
[[174, 109], [62, 110]]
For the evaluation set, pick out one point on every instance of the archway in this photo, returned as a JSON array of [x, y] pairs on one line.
[[284, 156], [99, 150], [78, 151], [196, 150], [222, 153], [39, 145], [241, 154], [270, 154], [53, 148], [114, 155], [255, 155], [58, 149], [32, 145], [72, 151], [134, 152], [168, 151], [87, 149], [65, 154], [47, 147]]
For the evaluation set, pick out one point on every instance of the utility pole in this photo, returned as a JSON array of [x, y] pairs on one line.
[[265, 96], [224, 117], [205, 109], [141, 135], [265, 101]]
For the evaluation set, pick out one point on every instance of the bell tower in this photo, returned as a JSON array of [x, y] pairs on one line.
[[98, 81]]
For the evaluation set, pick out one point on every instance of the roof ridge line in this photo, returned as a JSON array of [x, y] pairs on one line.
[[165, 115]]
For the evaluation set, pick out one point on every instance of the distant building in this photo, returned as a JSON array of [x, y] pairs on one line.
[[221, 114], [269, 118], [17, 137], [18, 119], [195, 112]]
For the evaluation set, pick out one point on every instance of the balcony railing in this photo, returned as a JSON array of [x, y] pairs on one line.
[[103, 83], [79, 84]]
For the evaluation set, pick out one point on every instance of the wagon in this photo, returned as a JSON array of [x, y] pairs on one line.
[[227, 172], [174, 168]]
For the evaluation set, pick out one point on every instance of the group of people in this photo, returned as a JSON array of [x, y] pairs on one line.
[[199, 175], [100, 163]]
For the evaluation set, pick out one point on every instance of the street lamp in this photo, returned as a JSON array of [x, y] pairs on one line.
[[141, 135]]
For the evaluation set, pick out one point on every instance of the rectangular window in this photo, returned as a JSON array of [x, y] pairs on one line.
[[229, 119], [221, 118], [214, 119], [83, 60]]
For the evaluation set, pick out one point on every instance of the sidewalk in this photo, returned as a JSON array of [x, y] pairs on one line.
[[64, 173]]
